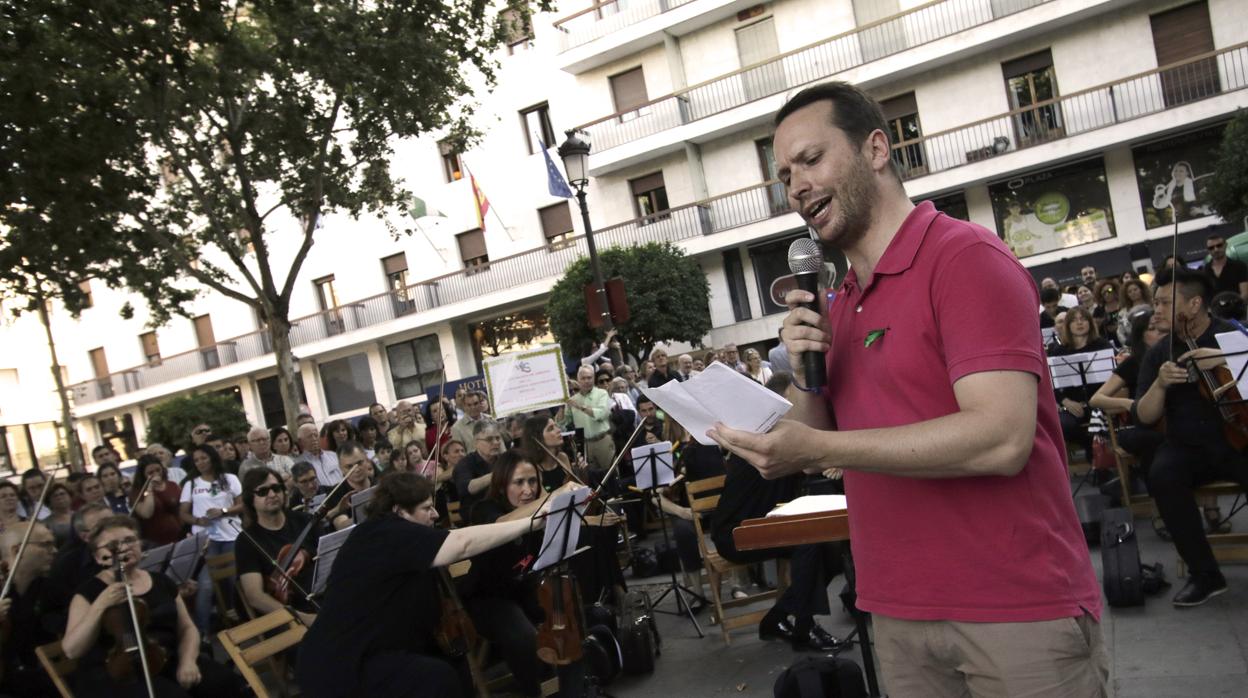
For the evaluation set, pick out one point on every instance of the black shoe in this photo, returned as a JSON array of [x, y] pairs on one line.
[[780, 629], [816, 639], [1199, 589]]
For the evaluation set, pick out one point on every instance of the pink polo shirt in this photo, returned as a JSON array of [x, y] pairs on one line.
[[952, 300]]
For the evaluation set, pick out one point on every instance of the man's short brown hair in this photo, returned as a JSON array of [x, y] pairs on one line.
[[853, 110]]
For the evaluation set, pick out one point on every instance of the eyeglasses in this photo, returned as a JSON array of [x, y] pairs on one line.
[[201, 430], [489, 438], [266, 490], [121, 542]]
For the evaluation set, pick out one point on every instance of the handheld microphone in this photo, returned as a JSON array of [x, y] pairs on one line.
[[806, 262]]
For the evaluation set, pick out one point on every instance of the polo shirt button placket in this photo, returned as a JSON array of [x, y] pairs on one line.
[[858, 309]]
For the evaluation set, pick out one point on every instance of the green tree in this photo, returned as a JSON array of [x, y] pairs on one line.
[[668, 299], [171, 421], [215, 135], [1228, 192]]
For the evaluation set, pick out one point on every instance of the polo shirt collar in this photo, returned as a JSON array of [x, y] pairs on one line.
[[900, 254]]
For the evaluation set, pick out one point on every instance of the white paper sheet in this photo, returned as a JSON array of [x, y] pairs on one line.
[[326, 552], [1099, 365], [811, 504], [1235, 346], [719, 394], [664, 472], [560, 539], [359, 502]]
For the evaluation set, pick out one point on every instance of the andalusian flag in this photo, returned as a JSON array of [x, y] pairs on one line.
[[483, 204]]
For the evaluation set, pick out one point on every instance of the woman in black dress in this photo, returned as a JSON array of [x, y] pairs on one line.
[[375, 634], [169, 625]]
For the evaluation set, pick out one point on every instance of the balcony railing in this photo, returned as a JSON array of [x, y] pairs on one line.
[[713, 215], [602, 18], [1169, 86], [914, 27]]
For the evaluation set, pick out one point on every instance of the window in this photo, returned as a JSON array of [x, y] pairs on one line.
[[1029, 81], [151, 348], [737, 292], [99, 366], [777, 197], [415, 365], [207, 342], [348, 383], [883, 39], [395, 269], [1180, 34], [517, 30], [649, 197], [85, 287], [536, 121], [557, 223], [1053, 209], [452, 166], [952, 205], [902, 115], [628, 89], [327, 298], [472, 251], [757, 43], [271, 404], [771, 261]]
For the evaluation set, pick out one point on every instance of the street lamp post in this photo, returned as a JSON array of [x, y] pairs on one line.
[[575, 155]]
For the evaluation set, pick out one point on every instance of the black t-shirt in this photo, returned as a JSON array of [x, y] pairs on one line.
[[1190, 418], [1129, 372], [382, 595], [31, 626], [162, 618], [747, 495], [248, 559], [500, 573], [1233, 274], [470, 468], [1077, 393], [554, 478]]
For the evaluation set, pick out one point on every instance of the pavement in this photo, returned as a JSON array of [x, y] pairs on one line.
[[1156, 650]]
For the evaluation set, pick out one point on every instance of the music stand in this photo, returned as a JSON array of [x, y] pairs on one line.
[[156, 560], [1080, 370], [359, 502], [185, 557], [327, 547], [560, 537], [656, 471]]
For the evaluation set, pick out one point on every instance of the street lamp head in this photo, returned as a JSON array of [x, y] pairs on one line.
[[575, 155]]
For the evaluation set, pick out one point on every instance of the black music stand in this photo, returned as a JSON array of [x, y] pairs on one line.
[[327, 547], [186, 558], [650, 462], [860, 634]]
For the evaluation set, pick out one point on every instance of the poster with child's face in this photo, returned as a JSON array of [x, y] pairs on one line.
[[1172, 176]]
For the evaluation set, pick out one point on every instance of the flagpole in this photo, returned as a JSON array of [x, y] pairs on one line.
[[478, 203]]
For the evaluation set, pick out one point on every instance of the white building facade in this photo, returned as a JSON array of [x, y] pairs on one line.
[[1068, 126]]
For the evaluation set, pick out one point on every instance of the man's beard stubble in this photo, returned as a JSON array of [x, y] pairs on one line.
[[856, 197]]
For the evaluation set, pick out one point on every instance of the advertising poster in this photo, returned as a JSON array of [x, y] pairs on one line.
[[1053, 209], [1172, 175]]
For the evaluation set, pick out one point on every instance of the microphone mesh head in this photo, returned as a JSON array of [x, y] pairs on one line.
[[805, 256]]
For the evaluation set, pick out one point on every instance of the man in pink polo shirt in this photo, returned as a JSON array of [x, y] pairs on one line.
[[940, 410]]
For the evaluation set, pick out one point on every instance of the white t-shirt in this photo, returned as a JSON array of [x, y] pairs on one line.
[[204, 495]]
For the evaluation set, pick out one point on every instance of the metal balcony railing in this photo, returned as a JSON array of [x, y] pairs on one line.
[[824, 59], [602, 18], [1167, 87]]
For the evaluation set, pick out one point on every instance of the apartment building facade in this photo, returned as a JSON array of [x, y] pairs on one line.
[[1076, 129]]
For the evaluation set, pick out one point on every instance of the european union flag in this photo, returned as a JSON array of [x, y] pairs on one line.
[[554, 178]]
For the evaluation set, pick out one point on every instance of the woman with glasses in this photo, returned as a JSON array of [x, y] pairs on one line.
[[154, 502], [271, 528], [185, 672], [211, 502]]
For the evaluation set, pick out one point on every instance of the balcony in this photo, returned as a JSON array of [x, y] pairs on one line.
[[603, 18]]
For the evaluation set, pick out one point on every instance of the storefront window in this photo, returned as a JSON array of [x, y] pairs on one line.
[[1173, 174], [1054, 209]]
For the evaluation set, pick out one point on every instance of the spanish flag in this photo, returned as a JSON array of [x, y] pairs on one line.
[[483, 204]]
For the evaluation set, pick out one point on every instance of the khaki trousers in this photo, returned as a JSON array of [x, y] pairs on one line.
[[1062, 658], [600, 453]]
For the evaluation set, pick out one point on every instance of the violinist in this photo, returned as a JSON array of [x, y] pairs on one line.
[[503, 599], [1196, 449], [375, 633], [169, 627], [23, 610], [308, 492], [359, 471], [260, 545]]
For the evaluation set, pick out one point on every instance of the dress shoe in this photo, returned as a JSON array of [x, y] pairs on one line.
[[779, 629], [816, 639], [1199, 589]]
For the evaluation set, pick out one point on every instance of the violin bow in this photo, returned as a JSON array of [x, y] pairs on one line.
[[115, 549], [437, 439], [269, 558], [618, 457], [146, 485], [34, 518], [566, 468]]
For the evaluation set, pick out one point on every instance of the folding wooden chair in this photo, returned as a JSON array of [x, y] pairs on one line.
[[58, 667], [1227, 547], [222, 568], [1139, 504], [703, 499], [260, 640]]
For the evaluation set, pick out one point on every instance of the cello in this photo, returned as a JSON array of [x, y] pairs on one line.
[[455, 634]]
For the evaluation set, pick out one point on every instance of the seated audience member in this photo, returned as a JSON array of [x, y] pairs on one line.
[[33, 482], [398, 460], [173, 473], [10, 502], [262, 455], [359, 478], [409, 425], [23, 610], [754, 367], [439, 422], [260, 543], [1195, 450], [61, 511], [308, 492], [1079, 335], [1114, 396], [1135, 297], [381, 416], [370, 434], [383, 453], [417, 462], [156, 502], [473, 405], [1049, 308], [282, 443], [1109, 304], [336, 433], [169, 625], [114, 492], [375, 634], [225, 448], [211, 502], [325, 462], [91, 491], [472, 475], [503, 599]]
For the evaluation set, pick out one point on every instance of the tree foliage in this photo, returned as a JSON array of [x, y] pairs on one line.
[[1228, 192], [499, 335], [668, 299], [170, 422]]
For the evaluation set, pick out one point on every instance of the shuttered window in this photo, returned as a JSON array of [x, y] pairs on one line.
[[203, 331], [472, 249], [556, 222], [1180, 34], [629, 90], [151, 347]]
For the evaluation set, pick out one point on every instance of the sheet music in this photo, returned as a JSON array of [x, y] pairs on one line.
[[155, 558], [719, 394], [811, 504], [186, 554], [359, 502], [1098, 365], [327, 548], [664, 470], [1235, 346], [560, 539]]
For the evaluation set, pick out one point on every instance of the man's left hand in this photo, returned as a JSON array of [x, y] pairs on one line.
[[1206, 358], [785, 450]]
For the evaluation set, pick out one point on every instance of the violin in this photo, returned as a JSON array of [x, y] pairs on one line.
[[292, 558], [456, 635], [560, 637], [1217, 384], [126, 626]]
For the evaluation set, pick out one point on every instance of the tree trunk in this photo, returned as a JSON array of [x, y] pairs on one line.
[[72, 446], [279, 333]]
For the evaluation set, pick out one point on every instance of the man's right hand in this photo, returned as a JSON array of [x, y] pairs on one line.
[[803, 330], [1170, 374]]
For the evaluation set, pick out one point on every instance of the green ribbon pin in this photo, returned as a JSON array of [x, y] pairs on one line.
[[872, 336]]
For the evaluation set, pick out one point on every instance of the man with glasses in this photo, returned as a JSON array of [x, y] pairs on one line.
[[23, 609], [1225, 274], [199, 435], [264, 499], [325, 462], [308, 492], [472, 475], [262, 455], [590, 409]]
